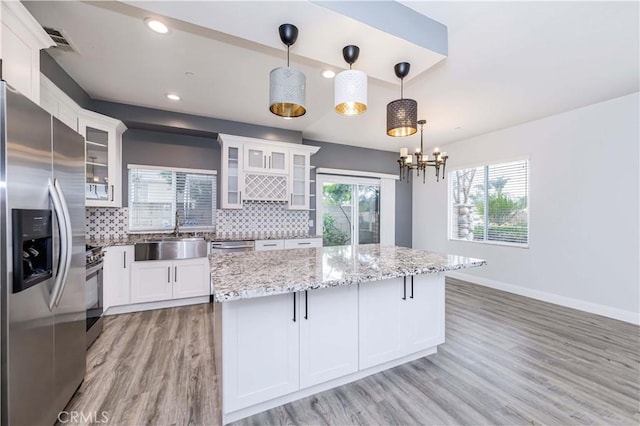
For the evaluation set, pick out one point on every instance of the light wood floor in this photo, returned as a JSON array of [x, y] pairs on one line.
[[507, 360]]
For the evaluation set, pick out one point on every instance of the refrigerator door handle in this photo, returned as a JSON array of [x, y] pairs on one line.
[[62, 230], [69, 238]]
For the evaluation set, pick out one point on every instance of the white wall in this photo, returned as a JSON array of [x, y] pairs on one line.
[[584, 209]]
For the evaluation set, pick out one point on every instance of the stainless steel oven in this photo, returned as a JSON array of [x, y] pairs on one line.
[[94, 293]]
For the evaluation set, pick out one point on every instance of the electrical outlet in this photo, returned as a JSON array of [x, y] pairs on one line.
[[310, 223]]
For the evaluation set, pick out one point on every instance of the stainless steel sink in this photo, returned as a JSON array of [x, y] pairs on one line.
[[171, 248]]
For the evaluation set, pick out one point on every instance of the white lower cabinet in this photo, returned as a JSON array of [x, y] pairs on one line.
[[191, 278], [117, 275], [153, 281], [260, 350], [266, 245], [398, 319], [302, 243], [328, 334]]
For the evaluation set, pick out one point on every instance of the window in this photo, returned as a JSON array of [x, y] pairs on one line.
[[157, 193], [490, 203]]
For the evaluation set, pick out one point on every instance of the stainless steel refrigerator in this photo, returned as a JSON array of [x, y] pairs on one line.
[[42, 262]]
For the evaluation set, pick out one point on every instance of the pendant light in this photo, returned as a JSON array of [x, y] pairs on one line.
[[287, 85], [350, 92], [402, 114]]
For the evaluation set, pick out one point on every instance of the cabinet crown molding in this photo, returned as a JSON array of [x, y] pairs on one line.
[[15, 10], [225, 138]]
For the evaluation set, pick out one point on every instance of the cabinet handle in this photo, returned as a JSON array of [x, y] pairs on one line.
[[269, 245], [269, 161], [240, 196], [112, 192], [306, 305], [411, 297], [306, 243], [175, 274], [168, 274], [291, 198], [264, 161], [124, 260], [294, 307], [404, 291]]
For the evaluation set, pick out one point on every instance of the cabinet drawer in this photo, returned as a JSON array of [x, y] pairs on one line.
[[264, 245], [303, 243]]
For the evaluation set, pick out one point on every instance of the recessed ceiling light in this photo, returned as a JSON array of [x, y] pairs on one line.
[[156, 25], [458, 128], [173, 97], [328, 74]]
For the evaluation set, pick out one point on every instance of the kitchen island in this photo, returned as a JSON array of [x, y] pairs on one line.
[[289, 324]]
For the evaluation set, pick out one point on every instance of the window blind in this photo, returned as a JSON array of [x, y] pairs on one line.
[[490, 203], [156, 194]]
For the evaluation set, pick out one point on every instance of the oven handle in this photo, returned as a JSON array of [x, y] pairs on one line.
[[93, 269]]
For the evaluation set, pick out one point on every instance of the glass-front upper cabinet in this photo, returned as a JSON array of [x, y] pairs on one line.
[[103, 140], [266, 159], [232, 176], [299, 181]]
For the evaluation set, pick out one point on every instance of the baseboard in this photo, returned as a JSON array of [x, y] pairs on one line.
[[581, 305]]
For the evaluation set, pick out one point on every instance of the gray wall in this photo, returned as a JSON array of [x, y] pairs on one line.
[[166, 149], [174, 122], [336, 156], [54, 72]]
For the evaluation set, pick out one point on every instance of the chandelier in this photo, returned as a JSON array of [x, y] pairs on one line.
[[419, 161]]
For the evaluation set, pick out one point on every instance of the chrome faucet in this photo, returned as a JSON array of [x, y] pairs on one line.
[[176, 229]]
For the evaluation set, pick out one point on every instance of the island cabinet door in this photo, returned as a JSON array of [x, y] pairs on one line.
[[328, 334], [382, 337], [260, 348], [424, 312], [151, 281]]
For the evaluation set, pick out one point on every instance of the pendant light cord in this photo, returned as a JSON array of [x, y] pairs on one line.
[[402, 88], [287, 56]]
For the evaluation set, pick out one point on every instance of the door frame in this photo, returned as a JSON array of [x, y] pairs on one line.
[[321, 179]]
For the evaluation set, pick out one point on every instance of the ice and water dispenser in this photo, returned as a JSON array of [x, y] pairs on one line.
[[32, 247]]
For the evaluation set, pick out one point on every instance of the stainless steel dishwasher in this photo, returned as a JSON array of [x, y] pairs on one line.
[[231, 246]]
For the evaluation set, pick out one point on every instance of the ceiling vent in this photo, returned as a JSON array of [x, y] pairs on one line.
[[60, 40]]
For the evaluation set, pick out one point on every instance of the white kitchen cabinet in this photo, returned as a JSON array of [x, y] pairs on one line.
[[103, 142], [58, 104], [260, 170], [328, 334], [380, 317], [22, 38], [396, 321], [302, 243], [260, 344], [157, 280], [191, 278], [232, 180], [117, 275], [299, 180], [151, 281], [270, 159], [424, 312], [265, 245]]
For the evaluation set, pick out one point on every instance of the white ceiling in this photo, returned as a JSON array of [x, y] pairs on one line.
[[508, 63]]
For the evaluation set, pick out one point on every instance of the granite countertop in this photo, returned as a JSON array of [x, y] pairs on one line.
[[255, 274], [130, 239]]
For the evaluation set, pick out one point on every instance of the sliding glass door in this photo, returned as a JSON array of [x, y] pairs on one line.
[[349, 209]]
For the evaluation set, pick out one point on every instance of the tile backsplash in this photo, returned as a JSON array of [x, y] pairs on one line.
[[255, 220]]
